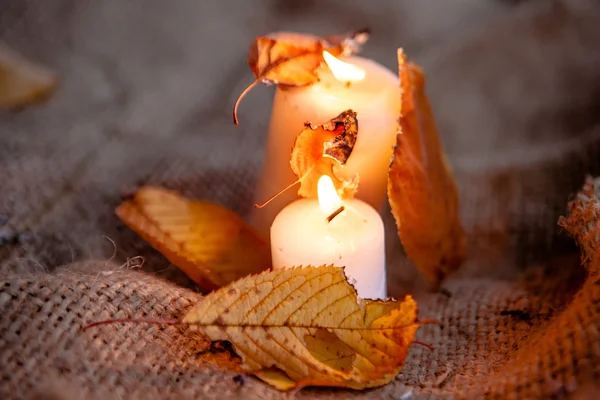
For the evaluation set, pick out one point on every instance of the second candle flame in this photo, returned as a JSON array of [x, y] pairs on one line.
[[343, 71], [328, 197]]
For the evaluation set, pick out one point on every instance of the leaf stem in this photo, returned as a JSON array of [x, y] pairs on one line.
[[430, 347], [132, 320], [240, 97], [276, 194]]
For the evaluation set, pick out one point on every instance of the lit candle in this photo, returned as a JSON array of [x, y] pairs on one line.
[[360, 84], [303, 235]]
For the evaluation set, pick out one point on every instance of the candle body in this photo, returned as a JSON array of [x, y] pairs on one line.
[[376, 99], [354, 239]]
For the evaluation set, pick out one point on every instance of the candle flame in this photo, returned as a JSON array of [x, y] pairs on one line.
[[343, 71], [328, 197]]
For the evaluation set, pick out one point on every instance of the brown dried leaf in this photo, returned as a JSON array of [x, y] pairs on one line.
[[292, 59], [208, 242], [421, 187], [306, 327], [21, 82], [318, 148]]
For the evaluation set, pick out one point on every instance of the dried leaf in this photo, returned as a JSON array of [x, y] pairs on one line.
[[320, 148], [21, 82], [292, 59], [305, 326], [208, 242], [287, 58], [421, 187]]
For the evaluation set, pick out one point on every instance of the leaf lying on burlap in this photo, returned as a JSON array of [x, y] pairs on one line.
[[21, 82], [208, 242], [318, 149], [306, 327], [292, 59], [421, 188]]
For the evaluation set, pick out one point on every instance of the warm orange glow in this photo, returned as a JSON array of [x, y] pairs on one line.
[[328, 197], [343, 71]]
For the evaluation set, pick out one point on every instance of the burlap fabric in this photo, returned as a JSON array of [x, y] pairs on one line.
[[146, 93]]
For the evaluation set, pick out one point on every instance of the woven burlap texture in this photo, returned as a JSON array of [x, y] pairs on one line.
[[532, 338], [145, 97]]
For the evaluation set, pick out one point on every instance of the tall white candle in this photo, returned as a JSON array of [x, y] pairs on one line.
[[374, 96], [354, 239]]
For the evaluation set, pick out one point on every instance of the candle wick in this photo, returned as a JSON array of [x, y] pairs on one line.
[[335, 214]]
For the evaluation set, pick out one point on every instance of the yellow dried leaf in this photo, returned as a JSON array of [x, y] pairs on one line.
[[306, 327], [421, 188], [292, 59], [22, 82], [319, 148], [208, 242]]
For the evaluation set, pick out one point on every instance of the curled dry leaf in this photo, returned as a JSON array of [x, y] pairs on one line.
[[421, 188], [320, 148], [21, 82], [208, 242], [306, 327], [292, 59]]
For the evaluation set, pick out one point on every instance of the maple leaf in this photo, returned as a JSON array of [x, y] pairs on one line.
[[210, 243], [292, 59], [319, 149], [421, 188], [22, 82], [306, 327]]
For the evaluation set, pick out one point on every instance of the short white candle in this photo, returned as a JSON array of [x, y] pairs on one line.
[[354, 239], [375, 97]]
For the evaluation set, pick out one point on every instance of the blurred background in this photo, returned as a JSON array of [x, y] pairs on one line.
[[147, 86]]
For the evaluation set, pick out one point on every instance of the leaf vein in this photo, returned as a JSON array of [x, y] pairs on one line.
[[275, 361], [271, 293], [247, 353], [292, 292], [307, 364], [351, 314], [313, 295], [328, 306]]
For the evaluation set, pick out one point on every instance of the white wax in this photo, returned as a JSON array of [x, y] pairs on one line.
[[376, 99], [354, 239]]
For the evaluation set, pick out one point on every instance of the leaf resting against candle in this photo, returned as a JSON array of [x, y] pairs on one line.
[[21, 82], [305, 327], [321, 149], [210, 243], [292, 59], [421, 188]]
